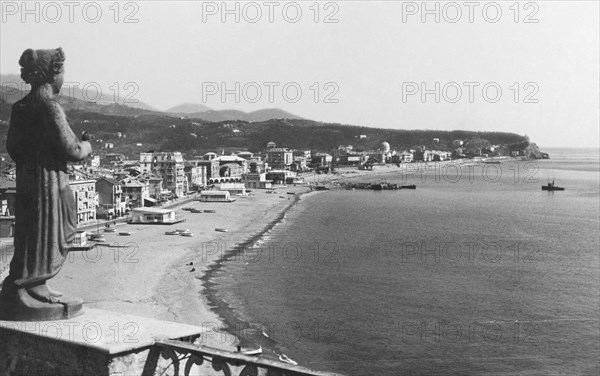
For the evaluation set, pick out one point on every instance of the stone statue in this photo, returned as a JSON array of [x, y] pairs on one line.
[[41, 142]]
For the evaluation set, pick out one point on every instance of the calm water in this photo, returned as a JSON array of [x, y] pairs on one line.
[[473, 273]]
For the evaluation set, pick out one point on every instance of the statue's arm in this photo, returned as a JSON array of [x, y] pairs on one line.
[[67, 144]]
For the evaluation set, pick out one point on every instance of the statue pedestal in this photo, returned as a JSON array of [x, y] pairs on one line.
[[96, 342]]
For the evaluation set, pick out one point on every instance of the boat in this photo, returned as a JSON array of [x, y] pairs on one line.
[[196, 211], [221, 229], [187, 209], [110, 229], [97, 238], [125, 233], [253, 351], [552, 187], [321, 188], [410, 186], [209, 211], [174, 232], [286, 359], [186, 233]]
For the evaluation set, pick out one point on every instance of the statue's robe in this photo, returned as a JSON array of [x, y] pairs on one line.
[[41, 142]]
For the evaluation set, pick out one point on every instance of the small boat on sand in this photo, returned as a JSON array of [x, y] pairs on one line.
[[188, 234], [125, 233], [252, 351], [110, 229], [410, 186], [221, 229], [286, 359], [209, 211], [174, 232]]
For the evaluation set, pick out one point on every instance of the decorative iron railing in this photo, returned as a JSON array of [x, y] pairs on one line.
[[202, 360]]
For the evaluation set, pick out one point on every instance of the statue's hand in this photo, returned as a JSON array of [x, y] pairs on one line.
[[85, 136]]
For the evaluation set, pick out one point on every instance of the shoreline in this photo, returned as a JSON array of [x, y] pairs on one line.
[[235, 326], [149, 274]]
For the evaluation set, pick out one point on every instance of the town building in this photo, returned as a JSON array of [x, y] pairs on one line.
[[169, 166], [135, 191], [111, 202], [84, 193], [256, 180], [279, 158]]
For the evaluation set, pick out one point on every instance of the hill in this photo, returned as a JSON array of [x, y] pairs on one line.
[[189, 108], [134, 134], [14, 88]]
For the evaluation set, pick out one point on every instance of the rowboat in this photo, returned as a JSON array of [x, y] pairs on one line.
[[188, 234], [221, 229], [253, 351], [174, 232], [125, 233]]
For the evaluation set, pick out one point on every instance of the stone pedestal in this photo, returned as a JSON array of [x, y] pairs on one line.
[[97, 342]]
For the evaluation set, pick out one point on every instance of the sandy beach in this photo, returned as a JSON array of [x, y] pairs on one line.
[[159, 276]]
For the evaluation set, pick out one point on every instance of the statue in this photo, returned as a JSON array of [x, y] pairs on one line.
[[41, 142]]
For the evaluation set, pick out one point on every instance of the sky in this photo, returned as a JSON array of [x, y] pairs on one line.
[[525, 67]]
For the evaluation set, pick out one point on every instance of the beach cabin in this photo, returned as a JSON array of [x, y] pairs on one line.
[[216, 196], [233, 188], [153, 216], [80, 239]]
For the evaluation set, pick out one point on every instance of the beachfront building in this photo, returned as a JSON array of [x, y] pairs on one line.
[[197, 175], [84, 193], [256, 180], [169, 166], [215, 196], [154, 216], [233, 188], [231, 168], [135, 191], [155, 187], [281, 176], [111, 202], [279, 158]]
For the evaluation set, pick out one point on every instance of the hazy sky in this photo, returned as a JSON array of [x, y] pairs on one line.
[[368, 65]]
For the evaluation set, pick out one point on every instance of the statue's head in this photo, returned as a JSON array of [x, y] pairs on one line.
[[39, 67]]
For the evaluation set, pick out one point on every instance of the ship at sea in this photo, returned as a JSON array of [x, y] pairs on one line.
[[552, 187]]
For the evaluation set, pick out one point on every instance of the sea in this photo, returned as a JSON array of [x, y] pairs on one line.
[[475, 272]]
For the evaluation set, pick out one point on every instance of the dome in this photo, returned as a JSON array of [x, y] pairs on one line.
[[271, 144], [385, 146]]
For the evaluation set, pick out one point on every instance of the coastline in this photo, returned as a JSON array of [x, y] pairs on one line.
[[241, 331], [147, 274]]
